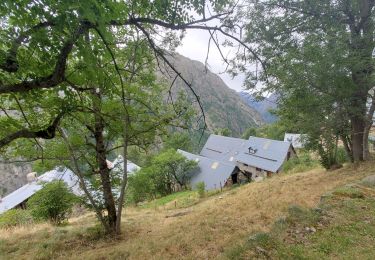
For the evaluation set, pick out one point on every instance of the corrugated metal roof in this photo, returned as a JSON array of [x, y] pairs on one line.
[[269, 154], [26, 191], [212, 172]]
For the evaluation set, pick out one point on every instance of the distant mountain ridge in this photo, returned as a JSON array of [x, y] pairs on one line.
[[262, 106], [223, 107]]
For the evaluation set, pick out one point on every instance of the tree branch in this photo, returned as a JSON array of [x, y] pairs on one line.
[[47, 133]]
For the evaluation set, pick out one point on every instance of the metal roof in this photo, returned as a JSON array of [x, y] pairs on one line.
[[223, 148], [212, 172], [66, 175], [269, 154], [118, 164], [266, 154], [295, 139], [26, 191]]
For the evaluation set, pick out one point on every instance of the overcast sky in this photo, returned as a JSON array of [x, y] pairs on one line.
[[194, 46]]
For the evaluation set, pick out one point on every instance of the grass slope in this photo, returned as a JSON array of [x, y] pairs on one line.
[[210, 229]]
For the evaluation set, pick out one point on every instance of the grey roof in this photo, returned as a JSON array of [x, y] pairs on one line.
[[270, 154], [26, 191], [212, 172], [118, 164], [223, 148]]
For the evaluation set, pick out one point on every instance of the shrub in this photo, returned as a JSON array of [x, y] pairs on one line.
[[53, 203], [201, 188], [301, 163], [15, 217], [341, 156]]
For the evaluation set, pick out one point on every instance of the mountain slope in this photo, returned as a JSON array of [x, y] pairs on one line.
[[222, 106], [262, 106]]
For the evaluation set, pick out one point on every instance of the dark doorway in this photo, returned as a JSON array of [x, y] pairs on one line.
[[234, 178]]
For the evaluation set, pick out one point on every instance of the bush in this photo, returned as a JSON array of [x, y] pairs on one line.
[[341, 156], [15, 217], [201, 188], [301, 163], [53, 203]]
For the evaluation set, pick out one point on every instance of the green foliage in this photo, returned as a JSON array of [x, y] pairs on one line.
[[223, 131], [53, 202], [341, 155], [15, 217], [201, 188], [300, 163], [251, 131], [178, 140], [319, 67], [274, 131], [160, 177]]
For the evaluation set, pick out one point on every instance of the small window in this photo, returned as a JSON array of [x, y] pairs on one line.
[[214, 165]]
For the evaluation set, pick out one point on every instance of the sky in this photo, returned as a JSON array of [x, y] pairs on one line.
[[195, 45]]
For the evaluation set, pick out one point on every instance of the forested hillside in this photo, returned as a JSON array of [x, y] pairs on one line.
[[222, 106]]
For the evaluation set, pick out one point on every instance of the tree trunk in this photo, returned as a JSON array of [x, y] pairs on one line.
[[347, 145], [104, 172], [124, 180], [358, 126], [369, 122]]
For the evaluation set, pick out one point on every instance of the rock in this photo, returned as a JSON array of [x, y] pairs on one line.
[[369, 181], [312, 229], [261, 250]]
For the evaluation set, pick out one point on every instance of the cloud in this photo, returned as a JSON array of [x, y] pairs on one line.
[[195, 46]]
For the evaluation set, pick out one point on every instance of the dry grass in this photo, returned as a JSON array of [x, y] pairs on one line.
[[209, 228]]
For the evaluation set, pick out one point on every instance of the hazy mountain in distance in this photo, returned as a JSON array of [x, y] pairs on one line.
[[262, 106]]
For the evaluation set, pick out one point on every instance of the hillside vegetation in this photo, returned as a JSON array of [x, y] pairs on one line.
[[218, 226], [223, 107]]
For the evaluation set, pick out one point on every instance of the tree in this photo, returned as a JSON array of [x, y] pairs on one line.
[[77, 82], [322, 48], [251, 131], [44, 44], [175, 166], [166, 172], [223, 131], [53, 202]]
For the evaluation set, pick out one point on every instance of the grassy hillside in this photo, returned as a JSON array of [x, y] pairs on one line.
[[218, 226]]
